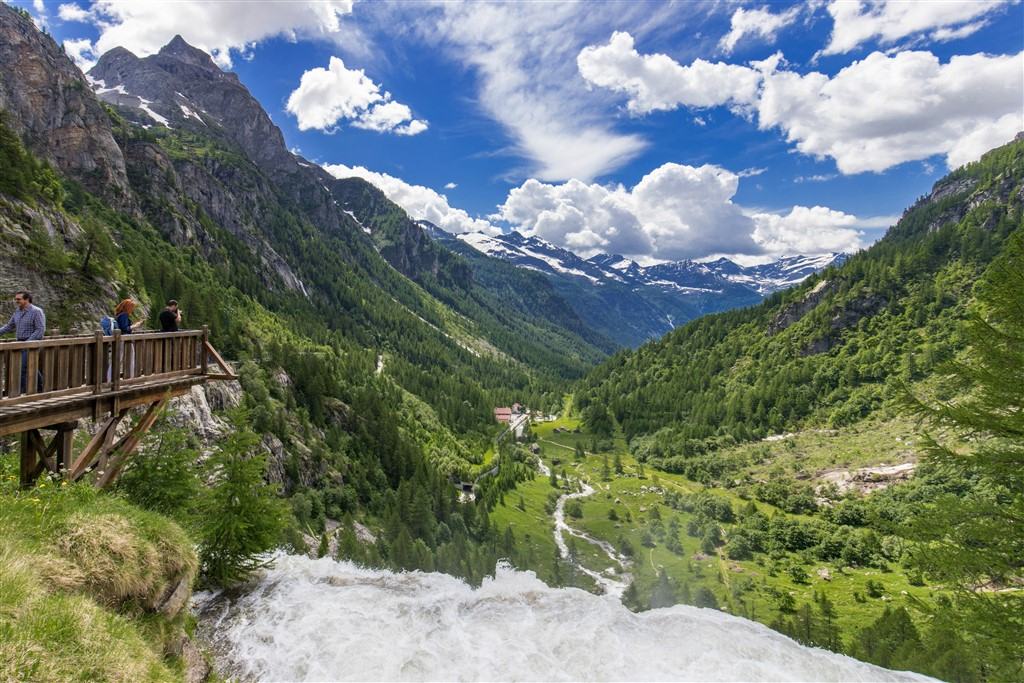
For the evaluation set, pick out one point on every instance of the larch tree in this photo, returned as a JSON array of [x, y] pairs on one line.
[[973, 544]]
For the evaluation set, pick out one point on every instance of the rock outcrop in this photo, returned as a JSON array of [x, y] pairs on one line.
[[55, 111], [793, 313]]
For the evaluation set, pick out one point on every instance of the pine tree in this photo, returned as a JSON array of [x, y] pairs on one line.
[[242, 517], [974, 543], [664, 594]]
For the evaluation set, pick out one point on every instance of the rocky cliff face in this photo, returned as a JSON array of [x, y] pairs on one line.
[[54, 110], [182, 85]]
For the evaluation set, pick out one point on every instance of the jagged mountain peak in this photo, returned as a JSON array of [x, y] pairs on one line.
[[183, 51], [181, 86]]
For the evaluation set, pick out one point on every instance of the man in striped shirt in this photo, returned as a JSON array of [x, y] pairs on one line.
[[29, 324]]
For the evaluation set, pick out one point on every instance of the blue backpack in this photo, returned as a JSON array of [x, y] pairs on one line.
[[107, 323]]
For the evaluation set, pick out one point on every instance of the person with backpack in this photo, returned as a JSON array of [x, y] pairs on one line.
[[123, 322]]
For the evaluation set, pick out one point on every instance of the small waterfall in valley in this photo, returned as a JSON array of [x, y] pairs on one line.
[[321, 620]]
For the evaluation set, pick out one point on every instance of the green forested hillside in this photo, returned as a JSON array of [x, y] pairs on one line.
[[364, 444], [826, 353]]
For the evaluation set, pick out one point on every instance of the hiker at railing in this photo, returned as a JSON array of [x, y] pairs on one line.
[[170, 317], [29, 324], [122, 314], [122, 318]]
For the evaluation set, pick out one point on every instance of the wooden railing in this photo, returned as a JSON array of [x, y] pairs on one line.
[[98, 364]]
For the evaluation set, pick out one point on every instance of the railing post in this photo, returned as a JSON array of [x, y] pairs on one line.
[[115, 361], [97, 362], [204, 353]]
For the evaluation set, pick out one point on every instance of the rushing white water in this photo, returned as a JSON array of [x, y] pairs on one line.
[[320, 620]]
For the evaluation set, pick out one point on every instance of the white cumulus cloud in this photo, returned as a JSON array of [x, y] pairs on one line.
[[657, 82], [874, 114], [889, 21], [421, 203], [327, 96], [72, 12], [807, 231], [82, 53], [760, 22], [219, 27], [674, 212], [883, 111]]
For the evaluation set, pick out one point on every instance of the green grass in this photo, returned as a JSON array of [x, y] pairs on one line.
[[80, 575], [811, 453], [533, 526], [747, 588]]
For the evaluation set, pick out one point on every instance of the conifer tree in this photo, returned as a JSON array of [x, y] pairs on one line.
[[974, 543], [242, 517]]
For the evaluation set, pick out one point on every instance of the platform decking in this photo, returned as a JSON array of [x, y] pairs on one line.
[[95, 377]]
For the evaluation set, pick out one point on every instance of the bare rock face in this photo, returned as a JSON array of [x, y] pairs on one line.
[[183, 85], [793, 313], [192, 411], [223, 396], [53, 107]]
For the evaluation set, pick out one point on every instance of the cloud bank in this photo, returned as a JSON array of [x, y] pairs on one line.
[[219, 27], [421, 203], [674, 212], [870, 116], [857, 23]]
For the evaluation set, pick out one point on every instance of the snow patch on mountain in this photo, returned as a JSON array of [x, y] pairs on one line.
[[686, 277]]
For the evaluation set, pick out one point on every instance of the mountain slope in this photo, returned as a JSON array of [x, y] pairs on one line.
[[343, 221], [200, 200], [830, 351]]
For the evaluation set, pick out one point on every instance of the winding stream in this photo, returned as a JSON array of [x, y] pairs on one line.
[[612, 581]]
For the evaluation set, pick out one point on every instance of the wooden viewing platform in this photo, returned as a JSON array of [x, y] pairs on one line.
[[100, 378]]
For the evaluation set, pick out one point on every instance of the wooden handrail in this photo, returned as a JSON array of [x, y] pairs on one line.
[[97, 364]]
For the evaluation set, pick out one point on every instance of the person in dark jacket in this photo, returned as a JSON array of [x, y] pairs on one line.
[[122, 316], [170, 317]]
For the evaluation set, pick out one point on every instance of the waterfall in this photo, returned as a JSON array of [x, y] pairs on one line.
[[321, 620]]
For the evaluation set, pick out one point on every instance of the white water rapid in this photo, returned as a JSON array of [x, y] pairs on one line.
[[611, 581], [321, 620]]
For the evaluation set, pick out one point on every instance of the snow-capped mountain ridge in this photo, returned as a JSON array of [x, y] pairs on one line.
[[537, 254], [633, 303]]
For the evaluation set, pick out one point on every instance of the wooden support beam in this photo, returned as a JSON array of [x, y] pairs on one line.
[[43, 452], [220, 361], [63, 442], [100, 439], [122, 450], [28, 458]]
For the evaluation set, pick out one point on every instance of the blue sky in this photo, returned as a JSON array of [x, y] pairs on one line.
[[659, 130]]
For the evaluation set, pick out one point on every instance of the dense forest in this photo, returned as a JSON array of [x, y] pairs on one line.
[[825, 353]]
